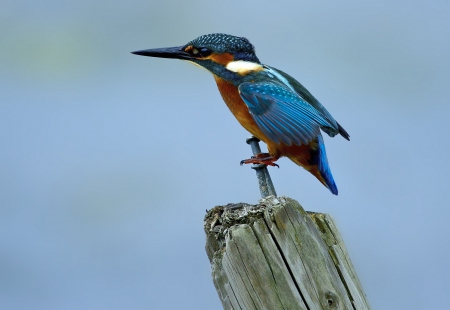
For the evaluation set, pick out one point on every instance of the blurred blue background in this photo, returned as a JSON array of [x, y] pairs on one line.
[[109, 160]]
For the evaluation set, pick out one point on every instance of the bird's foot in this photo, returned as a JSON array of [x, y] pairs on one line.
[[261, 159]]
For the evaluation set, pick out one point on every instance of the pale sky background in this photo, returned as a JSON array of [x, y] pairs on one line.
[[108, 160]]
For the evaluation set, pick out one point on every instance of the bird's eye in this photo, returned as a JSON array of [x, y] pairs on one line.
[[205, 51]]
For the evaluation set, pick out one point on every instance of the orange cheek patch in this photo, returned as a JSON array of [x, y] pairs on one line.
[[188, 48], [222, 59]]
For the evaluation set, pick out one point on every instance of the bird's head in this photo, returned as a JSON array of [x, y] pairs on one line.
[[224, 55]]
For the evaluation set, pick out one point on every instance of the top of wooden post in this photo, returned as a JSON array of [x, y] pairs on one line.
[[275, 255]]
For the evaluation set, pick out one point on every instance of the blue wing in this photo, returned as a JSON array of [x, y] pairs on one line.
[[281, 114]]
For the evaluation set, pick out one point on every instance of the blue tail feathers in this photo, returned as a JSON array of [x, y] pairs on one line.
[[320, 157]]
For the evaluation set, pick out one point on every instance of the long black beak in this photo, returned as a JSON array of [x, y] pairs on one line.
[[176, 52]]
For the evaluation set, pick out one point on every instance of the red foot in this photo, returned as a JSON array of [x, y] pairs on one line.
[[261, 159]]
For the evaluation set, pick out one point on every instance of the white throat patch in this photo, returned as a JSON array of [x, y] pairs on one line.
[[243, 67]]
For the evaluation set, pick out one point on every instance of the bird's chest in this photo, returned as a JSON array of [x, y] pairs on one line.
[[230, 95]]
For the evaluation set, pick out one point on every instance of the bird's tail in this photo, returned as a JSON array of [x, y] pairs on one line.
[[320, 168], [314, 159]]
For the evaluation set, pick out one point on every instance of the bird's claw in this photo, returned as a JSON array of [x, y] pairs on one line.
[[261, 159]]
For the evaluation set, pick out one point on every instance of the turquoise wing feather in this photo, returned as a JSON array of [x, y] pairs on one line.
[[283, 115]]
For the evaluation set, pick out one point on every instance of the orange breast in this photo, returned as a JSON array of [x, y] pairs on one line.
[[230, 95]]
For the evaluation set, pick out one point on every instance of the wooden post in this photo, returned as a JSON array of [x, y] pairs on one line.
[[274, 255]]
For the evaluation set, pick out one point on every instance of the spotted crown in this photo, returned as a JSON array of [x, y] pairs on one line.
[[221, 43]]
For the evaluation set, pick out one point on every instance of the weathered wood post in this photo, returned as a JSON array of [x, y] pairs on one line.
[[274, 255]]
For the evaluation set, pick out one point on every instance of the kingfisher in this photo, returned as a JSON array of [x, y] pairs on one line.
[[267, 102]]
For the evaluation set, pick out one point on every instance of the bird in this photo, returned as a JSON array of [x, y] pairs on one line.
[[270, 104]]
